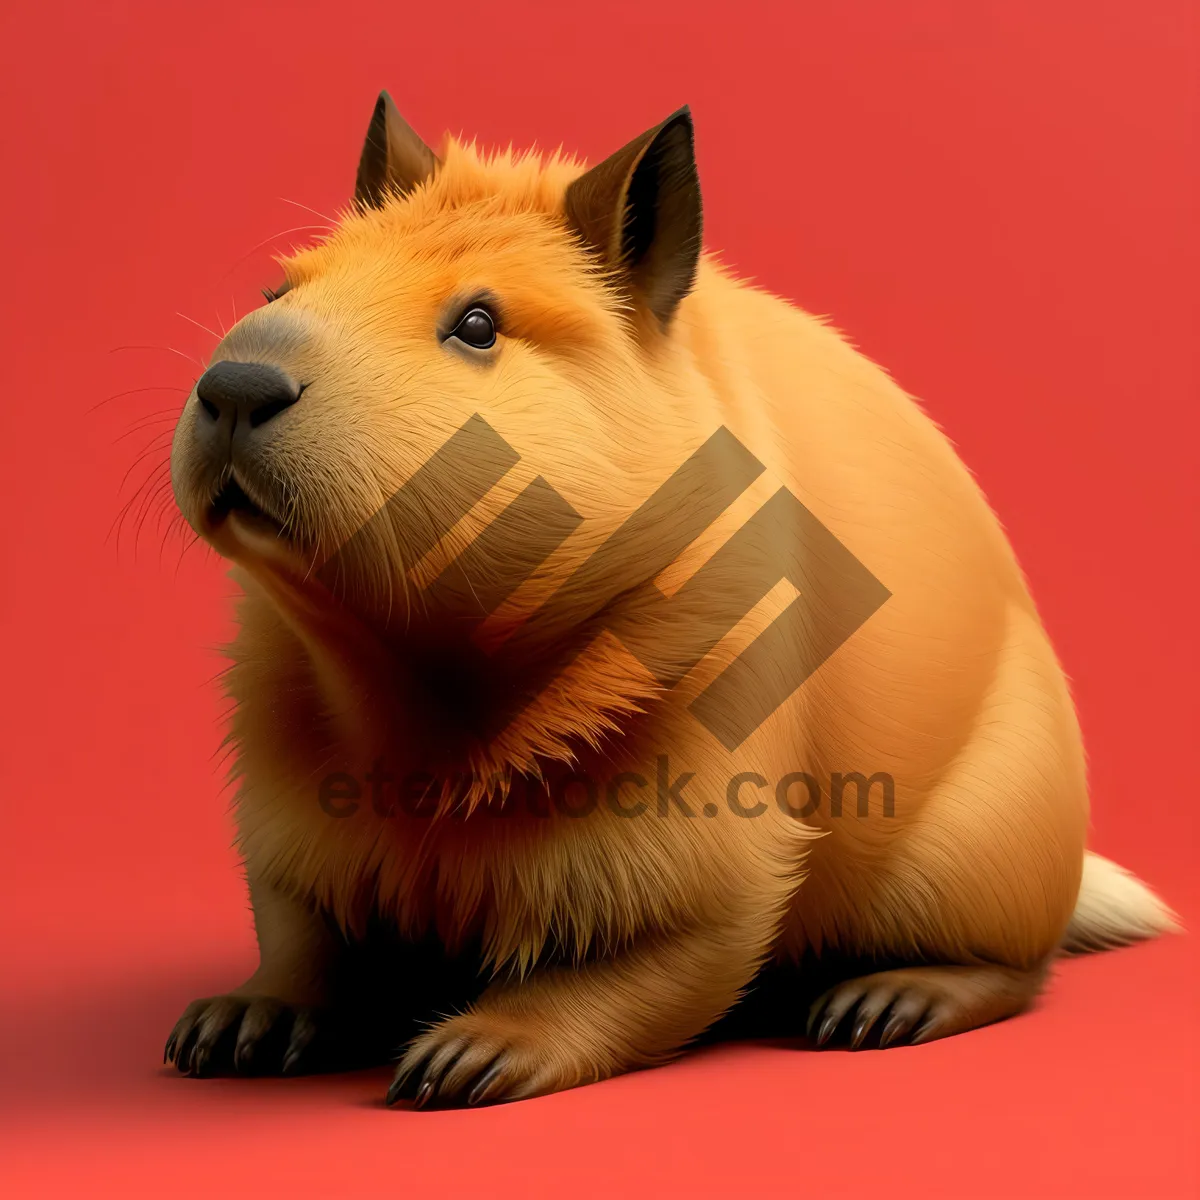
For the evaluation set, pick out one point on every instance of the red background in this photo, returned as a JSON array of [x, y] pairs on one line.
[[996, 199]]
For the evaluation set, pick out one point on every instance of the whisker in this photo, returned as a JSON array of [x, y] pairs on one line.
[[160, 474], [153, 497], [148, 423], [168, 525], [315, 212], [169, 349], [136, 507], [267, 241], [155, 444], [136, 392], [199, 326], [188, 544]]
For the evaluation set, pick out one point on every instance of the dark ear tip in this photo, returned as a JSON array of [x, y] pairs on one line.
[[679, 122]]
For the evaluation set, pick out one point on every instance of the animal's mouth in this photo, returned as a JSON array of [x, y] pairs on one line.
[[232, 500], [240, 526]]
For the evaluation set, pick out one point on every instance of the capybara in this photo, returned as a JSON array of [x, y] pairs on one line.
[[612, 635]]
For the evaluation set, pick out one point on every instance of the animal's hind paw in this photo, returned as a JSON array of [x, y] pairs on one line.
[[911, 1005], [853, 1010]]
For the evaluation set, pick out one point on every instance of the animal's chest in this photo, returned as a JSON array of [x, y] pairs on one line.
[[521, 889]]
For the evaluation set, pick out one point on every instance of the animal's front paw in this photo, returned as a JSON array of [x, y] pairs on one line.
[[480, 1058], [249, 1035]]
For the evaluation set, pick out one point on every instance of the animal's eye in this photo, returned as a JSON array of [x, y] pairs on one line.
[[476, 328]]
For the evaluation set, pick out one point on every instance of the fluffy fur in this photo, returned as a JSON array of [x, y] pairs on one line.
[[608, 942]]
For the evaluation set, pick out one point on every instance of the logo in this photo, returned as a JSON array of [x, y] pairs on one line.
[[613, 590]]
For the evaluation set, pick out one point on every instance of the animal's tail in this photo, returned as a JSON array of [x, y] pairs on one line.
[[1114, 909]]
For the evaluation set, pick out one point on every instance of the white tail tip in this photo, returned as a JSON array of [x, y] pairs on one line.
[[1114, 909]]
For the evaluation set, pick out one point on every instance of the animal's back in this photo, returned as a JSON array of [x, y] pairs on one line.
[[837, 431], [951, 690]]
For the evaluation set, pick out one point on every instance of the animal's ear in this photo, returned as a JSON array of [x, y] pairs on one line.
[[640, 211], [394, 160]]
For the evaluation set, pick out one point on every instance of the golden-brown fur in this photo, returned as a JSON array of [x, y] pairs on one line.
[[612, 941]]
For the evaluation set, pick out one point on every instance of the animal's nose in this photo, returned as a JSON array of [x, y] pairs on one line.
[[248, 393]]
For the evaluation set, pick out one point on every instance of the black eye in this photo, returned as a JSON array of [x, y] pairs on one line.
[[476, 328]]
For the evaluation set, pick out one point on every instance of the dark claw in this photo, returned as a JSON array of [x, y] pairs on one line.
[[892, 1030], [813, 1014], [862, 1027], [246, 1036], [897, 1026], [403, 1083], [436, 1070], [479, 1092], [200, 1061], [304, 1032], [179, 1044], [183, 1060], [923, 1031], [827, 1027]]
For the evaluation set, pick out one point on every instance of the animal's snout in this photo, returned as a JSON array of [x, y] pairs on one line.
[[245, 394]]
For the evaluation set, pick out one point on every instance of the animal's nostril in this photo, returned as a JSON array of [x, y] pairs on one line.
[[249, 392], [271, 408]]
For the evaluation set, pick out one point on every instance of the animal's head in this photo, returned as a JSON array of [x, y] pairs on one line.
[[351, 446], [539, 297]]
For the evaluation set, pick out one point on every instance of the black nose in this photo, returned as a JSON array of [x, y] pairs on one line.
[[246, 392]]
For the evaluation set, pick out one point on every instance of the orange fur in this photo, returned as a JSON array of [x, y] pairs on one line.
[[614, 941]]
